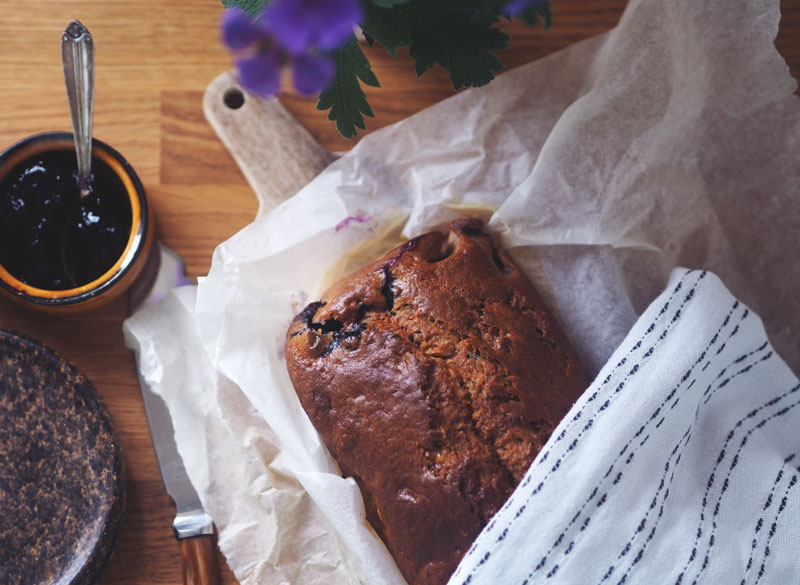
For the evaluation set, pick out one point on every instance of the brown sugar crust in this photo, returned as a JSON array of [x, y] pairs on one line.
[[434, 375]]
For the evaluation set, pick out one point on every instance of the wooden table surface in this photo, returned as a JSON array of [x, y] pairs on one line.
[[154, 59]]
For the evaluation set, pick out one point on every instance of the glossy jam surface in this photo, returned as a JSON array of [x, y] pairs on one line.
[[52, 239]]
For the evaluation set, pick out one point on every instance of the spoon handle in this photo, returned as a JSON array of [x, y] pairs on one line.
[[77, 56]]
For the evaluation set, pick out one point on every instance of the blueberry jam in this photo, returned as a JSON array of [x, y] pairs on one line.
[[50, 238]]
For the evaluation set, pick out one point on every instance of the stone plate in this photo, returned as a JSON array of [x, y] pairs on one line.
[[62, 477]]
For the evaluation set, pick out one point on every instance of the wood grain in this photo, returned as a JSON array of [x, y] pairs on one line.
[[275, 153], [199, 561], [155, 59]]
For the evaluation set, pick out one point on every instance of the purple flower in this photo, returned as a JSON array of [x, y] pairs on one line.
[[261, 72], [289, 33], [300, 24], [238, 31], [517, 7], [312, 73]]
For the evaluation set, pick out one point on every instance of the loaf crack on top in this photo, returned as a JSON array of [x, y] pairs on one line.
[[434, 375]]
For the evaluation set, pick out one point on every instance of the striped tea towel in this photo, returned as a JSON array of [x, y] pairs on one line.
[[679, 465]]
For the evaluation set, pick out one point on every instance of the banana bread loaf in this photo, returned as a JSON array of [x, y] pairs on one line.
[[434, 375]]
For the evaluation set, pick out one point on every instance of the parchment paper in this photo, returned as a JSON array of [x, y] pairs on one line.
[[672, 140]]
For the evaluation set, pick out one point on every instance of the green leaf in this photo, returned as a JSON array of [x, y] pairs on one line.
[[391, 27], [532, 13], [487, 9], [388, 3], [546, 13], [462, 45], [344, 97], [251, 7], [459, 35]]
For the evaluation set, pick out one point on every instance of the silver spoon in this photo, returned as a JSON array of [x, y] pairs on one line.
[[77, 57]]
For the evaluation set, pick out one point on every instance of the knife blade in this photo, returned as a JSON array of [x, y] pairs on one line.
[[192, 526]]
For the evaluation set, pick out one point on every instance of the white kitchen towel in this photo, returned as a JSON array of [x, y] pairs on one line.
[[679, 465]]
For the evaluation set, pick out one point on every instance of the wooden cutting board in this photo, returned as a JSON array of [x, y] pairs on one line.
[[275, 153]]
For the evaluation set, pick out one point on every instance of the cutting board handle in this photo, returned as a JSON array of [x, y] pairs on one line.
[[276, 154]]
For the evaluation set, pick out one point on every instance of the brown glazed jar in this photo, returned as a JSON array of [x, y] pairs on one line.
[[95, 248]]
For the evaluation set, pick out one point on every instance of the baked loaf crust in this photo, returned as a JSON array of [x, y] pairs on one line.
[[434, 375]]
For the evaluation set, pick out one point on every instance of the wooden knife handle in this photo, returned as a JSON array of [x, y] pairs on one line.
[[199, 557]]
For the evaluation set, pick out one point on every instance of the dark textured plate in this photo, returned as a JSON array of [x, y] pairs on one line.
[[62, 481]]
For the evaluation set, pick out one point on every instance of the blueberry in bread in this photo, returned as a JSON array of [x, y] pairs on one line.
[[434, 375]]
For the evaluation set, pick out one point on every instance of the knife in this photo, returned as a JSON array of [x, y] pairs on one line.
[[193, 527]]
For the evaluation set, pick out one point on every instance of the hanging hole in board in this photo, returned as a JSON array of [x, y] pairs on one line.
[[233, 98]]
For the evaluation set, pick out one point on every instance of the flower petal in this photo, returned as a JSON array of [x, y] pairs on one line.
[[312, 73], [517, 7], [292, 23], [338, 19], [238, 31], [261, 73], [300, 25]]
